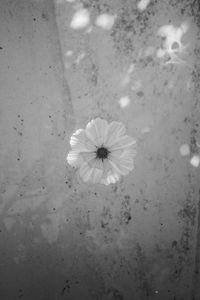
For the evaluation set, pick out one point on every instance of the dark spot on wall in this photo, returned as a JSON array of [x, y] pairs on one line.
[[68, 182], [66, 287], [174, 244], [140, 94], [104, 224], [45, 16], [114, 188], [162, 228], [127, 217], [187, 120], [1, 48], [20, 293]]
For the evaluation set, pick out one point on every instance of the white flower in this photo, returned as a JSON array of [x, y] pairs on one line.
[[102, 152]]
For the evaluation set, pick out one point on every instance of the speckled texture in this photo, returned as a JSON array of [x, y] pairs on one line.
[[63, 239]]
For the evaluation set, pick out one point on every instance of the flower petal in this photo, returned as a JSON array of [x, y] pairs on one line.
[[110, 178], [108, 175], [74, 159], [127, 152], [97, 131], [115, 131], [123, 142], [79, 142], [97, 172], [102, 126], [88, 157], [85, 171], [92, 174], [121, 165]]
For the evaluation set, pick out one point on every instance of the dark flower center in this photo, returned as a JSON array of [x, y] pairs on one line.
[[102, 153]]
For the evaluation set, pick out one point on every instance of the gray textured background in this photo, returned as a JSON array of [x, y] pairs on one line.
[[60, 238]]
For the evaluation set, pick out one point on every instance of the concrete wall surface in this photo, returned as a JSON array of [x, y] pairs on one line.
[[64, 63]]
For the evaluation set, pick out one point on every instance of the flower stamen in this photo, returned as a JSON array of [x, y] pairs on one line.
[[102, 153]]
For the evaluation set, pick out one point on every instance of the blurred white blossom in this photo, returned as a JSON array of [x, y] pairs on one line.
[[80, 19]]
